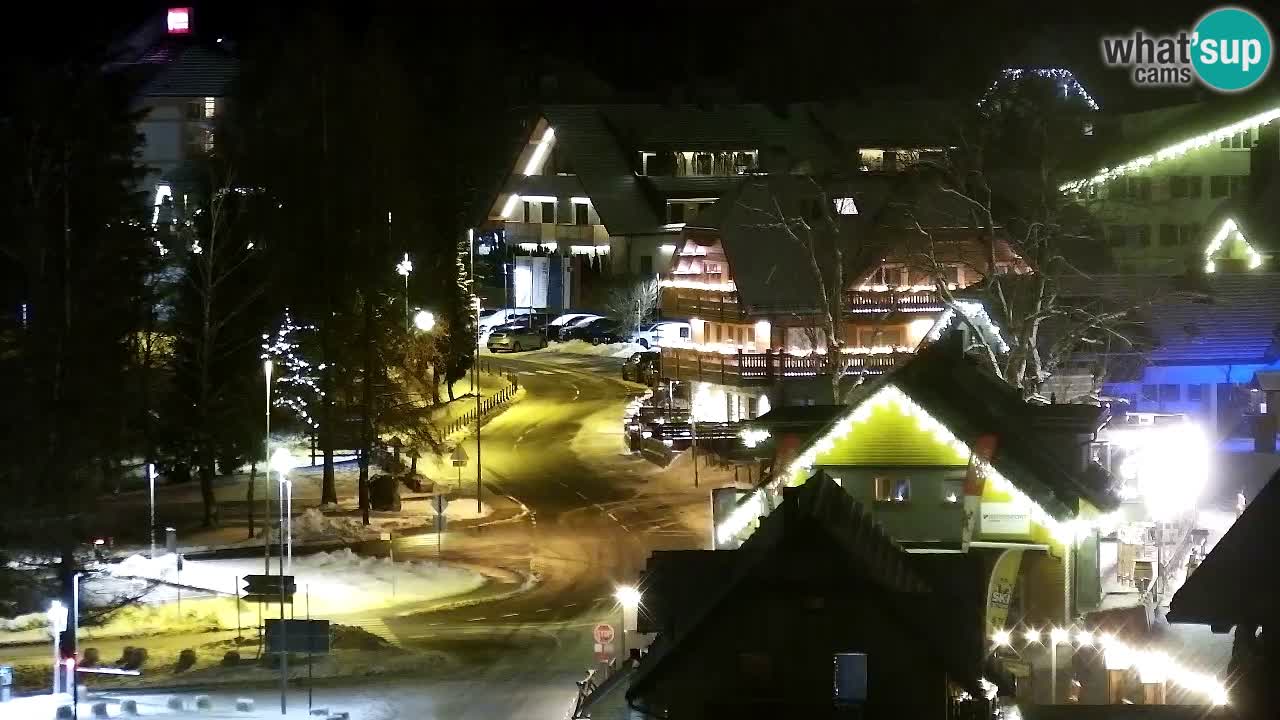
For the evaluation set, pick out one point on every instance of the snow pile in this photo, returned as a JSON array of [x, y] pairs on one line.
[[30, 621], [461, 509], [315, 525], [339, 581], [582, 347]]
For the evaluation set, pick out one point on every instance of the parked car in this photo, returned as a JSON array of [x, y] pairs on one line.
[[664, 331], [514, 338], [641, 366], [558, 325], [577, 329], [603, 332]]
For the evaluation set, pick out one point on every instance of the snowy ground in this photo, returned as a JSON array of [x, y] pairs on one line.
[[339, 582], [581, 347]]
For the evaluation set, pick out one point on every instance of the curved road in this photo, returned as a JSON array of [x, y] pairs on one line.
[[560, 453]]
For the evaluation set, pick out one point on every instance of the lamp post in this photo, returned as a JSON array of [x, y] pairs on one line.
[[404, 267], [475, 361], [266, 499], [282, 461], [151, 486], [57, 615], [628, 598]]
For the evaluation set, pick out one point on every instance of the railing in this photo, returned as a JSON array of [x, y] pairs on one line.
[[889, 300], [743, 368], [487, 405]]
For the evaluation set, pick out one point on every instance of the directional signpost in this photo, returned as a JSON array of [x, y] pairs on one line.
[[266, 588], [459, 458], [602, 635]]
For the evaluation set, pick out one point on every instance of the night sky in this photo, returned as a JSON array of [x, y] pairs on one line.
[[799, 49]]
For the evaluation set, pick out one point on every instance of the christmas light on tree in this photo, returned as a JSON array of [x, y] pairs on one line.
[[296, 385]]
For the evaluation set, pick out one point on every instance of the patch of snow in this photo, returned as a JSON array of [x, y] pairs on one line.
[[582, 347], [339, 581], [30, 621]]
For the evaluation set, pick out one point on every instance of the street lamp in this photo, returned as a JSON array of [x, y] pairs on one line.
[[282, 461], [424, 320], [404, 267], [266, 495], [1001, 638], [629, 598], [57, 614]]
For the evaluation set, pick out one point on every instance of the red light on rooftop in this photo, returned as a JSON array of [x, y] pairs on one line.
[[179, 21]]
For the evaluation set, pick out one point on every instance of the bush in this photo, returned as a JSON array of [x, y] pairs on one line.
[[91, 658], [133, 658], [186, 660], [231, 658]]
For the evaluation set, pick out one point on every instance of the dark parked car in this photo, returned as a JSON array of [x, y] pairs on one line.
[[601, 332], [578, 330], [642, 367]]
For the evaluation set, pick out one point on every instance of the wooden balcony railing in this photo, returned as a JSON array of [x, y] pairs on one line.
[[743, 368], [891, 300], [718, 306]]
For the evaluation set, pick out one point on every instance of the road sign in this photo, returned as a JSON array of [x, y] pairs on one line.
[[300, 636], [266, 588], [459, 457], [602, 634], [440, 502]]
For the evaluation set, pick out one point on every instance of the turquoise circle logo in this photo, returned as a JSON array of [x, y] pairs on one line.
[[1231, 49]]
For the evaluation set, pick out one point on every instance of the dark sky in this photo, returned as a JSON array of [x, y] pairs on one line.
[[776, 50]]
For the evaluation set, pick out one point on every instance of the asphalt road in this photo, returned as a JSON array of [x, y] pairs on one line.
[[560, 453]]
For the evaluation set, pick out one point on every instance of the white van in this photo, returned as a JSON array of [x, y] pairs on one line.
[[663, 332]]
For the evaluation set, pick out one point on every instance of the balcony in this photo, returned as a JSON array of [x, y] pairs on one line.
[[748, 368], [564, 235], [879, 301]]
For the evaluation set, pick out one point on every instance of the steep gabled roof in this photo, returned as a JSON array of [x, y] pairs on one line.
[[1236, 583], [1219, 318], [833, 521], [188, 70], [1034, 444]]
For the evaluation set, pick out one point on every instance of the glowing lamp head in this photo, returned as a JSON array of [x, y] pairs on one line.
[[1084, 638], [178, 21], [405, 266], [57, 614], [1001, 638], [282, 461], [628, 596], [424, 320], [1059, 635], [1031, 635]]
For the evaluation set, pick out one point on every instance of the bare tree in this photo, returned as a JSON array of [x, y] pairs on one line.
[[634, 303]]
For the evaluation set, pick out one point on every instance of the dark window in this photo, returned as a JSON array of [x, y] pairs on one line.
[[850, 685], [1168, 235], [1195, 392], [1239, 184], [646, 264], [702, 164], [1115, 236], [1150, 393], [675, 212], [548, 212], [528, 212], [755, 667], [1194, 185], [1218, 186], [1178, 186], [580, 214], [1143, 235], [1190, 233], [1170, 393]]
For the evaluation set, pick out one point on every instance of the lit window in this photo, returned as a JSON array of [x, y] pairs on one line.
[[846, 206], [179, 21], [210, 105], [952, 491], [893, 489]]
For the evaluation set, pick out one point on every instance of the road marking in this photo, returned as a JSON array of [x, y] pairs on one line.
[[477, 619], [571, 604], [579, 494], [545, 610], [511, 615]]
